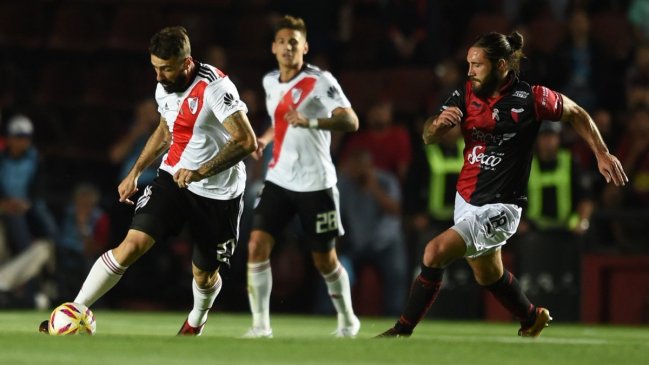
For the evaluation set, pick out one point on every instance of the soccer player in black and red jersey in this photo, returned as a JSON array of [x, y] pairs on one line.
[[499, 115]]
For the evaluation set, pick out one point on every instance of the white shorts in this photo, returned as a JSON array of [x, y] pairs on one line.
[[484, 228]]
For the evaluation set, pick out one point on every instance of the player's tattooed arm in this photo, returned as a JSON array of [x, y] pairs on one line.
[[242, 143]]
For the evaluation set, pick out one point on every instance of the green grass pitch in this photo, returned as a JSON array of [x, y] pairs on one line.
[[143, 338]]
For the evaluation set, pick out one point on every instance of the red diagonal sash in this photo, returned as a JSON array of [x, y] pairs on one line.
[[290, 101]]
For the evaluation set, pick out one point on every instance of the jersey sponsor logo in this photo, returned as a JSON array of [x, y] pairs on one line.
[[490, 138], [521, 94], [485, 161], [476, 105], [193, 104]]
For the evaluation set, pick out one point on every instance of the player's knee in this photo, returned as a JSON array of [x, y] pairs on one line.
[[435, 255], [130, 250], [325, 264], [205, 279], [259, 249], [487, 276]]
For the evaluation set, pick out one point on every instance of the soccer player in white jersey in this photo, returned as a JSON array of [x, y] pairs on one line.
[[205, 133], [305, 104]]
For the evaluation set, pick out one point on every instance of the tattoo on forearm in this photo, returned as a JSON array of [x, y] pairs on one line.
[[227, 157], [234, 150]]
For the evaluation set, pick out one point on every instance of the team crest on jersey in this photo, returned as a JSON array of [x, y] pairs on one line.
[[296, 93], [494, 114], [193, 104], [516, 114]]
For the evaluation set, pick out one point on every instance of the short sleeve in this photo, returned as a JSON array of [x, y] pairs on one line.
[[222, 97], [331, 94], [548, 104], [456, 99], [159, 96]]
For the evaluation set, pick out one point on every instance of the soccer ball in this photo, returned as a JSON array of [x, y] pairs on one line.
[[72, 319]]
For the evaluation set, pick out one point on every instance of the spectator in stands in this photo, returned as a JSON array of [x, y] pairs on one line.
[[387, 143], [579, 62], [580, 150], [637, 78], [558, 191], [638, 14], [126, 150], [370, 205], [411, 30], [633, 150], [431, 190], [82, 238], [29, 225]]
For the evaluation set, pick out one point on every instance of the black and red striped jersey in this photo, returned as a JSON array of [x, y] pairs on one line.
[[499, 135]]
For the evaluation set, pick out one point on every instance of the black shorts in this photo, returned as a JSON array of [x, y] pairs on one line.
[[318, 211], [164, 208]]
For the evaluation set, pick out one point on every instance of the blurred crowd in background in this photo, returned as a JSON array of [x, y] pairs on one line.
[[76, 103]]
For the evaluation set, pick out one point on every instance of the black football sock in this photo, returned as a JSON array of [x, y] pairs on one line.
[[508, 292], [422, 295]]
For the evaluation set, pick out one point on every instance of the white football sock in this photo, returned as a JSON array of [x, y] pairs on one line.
[[260, 283], [203, 300], [340, 293], [105, 273]]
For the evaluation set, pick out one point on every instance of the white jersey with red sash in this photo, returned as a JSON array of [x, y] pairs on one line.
[[301, 158], [194, 118]]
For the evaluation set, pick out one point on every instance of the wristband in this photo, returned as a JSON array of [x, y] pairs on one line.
[[313, 123]]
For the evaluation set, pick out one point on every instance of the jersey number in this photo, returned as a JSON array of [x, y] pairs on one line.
[[224, 250], [495, 222], [326, 222]]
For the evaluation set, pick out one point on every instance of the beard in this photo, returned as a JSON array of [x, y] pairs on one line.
[[178, 85], [487, 86]]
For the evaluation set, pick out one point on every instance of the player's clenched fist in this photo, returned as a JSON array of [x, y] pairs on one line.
[[449, 117]]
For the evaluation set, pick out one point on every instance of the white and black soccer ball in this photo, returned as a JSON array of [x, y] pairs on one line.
[[72, 319]]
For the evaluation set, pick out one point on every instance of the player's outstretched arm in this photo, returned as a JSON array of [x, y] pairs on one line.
[[342, 119], [609, 166], [157, 144]]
